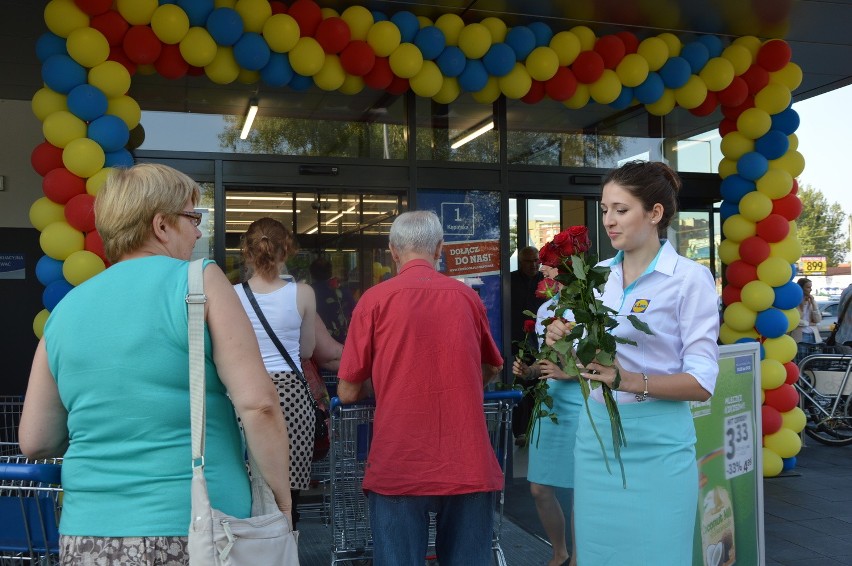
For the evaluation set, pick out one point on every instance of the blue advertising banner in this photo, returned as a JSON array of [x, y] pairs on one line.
[[12, 266], [471, 222]]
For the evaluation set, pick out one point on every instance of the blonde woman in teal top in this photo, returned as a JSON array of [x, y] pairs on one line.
[[109, 387]]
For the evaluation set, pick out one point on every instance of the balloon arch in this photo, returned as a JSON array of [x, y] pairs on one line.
[[94, 47]]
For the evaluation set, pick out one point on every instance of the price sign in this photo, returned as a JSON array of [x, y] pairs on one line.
[[739, 445], [812, 265]]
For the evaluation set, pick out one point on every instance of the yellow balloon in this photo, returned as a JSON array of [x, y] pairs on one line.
[[111, 77], [359, 19], [46, 101], [692, 94], [633, 70], [737, 227], [59, 240], [757, 295], [785, 442], [406, 60], [44, 212], [586, 36], [755, 206], [782, 348], [281, 32], [307, 57], [62, 127], [754, 122], [329, 13], [489, 93], [792, 162], [543, 62], [224, 3], [248, 77], [517, 83], [137, 12], [727, 167], [775, 183], [730, 336], [95, 182], [790, 76], [198, 48], [424, 22], [739, 317], [63, 16], [794, 142], [772, 463], [751, 43], [384, 38], [254, 14], [450, 90], [672, 42], [428, 82], [475, 40], [655, 51], [729, 251], [734, 145], [331, 76], [664, 105], [170, 23], [125, 108], [772, 373], [146, 69], [580, 98], [790, 249], [794, 419], [793, 318], [451, 25], [223, 69], [566, 45], [352, 85], [87, 46], [39, 321], [774, 98], [774, 271], [606, 89], [739, 56], [80, 266], [496, 27], [717, 74], [83, 157]]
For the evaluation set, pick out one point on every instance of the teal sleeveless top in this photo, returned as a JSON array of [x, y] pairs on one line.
[[117, 347]]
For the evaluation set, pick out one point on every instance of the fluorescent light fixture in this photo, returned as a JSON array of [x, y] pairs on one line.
[[473, 135], [252, 112]]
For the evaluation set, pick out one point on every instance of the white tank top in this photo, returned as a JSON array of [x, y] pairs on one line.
[[280, 309]]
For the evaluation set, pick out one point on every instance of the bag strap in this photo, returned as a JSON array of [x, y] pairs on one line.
[[277, 342], [195, 300], [830, 339]]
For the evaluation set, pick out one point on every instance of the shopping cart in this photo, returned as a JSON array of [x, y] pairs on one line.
[[351, 432], [10, 417]]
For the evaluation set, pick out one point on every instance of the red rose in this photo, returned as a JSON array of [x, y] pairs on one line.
[[579, 238], [529, 326], [333, 283], [546, 289], [564, 243], [549, 255]]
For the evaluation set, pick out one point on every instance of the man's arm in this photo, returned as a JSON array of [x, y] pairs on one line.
[[349, 392]]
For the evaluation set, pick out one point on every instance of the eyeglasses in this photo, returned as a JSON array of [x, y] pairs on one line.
[[192, 215]]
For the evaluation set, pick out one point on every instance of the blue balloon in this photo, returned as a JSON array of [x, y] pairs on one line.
[[278, 71], [110, 132], [379, 16], [735, 187], [197, 10], [745, 340], [48, 270], [499, 60], [788, 463], [696, 54], [712, 43], [49, 44], [87, 102], [54, 292], [474, 77], [772, 145], [771, 323], [252, 52], [301, 82], [430, 41], [728, 209], [651, 90], [542, 32], [62, 73], [676, 72], [408, 25], [786, 121], [119, 158], [522, 41], [451, 61], [624, 100], [762, 351], [752, 166], [788, 296], [225, 26]]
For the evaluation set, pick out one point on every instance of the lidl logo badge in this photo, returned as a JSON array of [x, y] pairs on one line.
[[641, 305]]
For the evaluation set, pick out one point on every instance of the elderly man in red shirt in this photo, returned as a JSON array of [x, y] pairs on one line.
[[424, 342]]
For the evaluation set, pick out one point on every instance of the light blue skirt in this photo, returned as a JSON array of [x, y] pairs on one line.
[[652, 521], [551, 445]]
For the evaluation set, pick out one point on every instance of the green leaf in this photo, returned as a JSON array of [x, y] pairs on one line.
[[530, 314], [578, 265], [623, 340], [582, 316], [638, 324], [586, 351]]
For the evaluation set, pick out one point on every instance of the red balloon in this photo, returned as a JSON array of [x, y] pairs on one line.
[[170, 64], [308, 15], [795, 189], [95, 244], [562, 85], [535, 94], [754, 250], [727, 126], [358, 58], [731, 294], [631, 42], [195, 71], [792, 373], [782, 398], [707, 107], [278, 7], [111, 25], [611, 49], [141, 45], [380, 76], [733, 112], [739, 273], [588, 67], [756, 77], [398, 86], [45, 158], [94, 7], [61, 185], [789, 206], [771, 419], [773, 228], [774, 55], [117, 54], [735, 94], [80, 212], [333, 34]]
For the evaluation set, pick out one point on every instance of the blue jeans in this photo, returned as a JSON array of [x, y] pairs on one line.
[[400, 525]]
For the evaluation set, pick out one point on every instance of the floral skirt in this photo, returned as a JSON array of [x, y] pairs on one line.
[[299, 413], [127, 551]]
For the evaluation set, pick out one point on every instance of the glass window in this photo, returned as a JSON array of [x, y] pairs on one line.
[[204, 246], [543, 221], [700, 153], [691, 235], [462, 131]]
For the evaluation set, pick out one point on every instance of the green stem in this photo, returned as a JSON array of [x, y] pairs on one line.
[[584, 387]]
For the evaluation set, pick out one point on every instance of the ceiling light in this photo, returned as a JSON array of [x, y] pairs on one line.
[[473, 135], [252, 112]]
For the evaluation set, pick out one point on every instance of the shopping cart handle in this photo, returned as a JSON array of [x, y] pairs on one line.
[[42, 473], [505, 395], [336, 402]]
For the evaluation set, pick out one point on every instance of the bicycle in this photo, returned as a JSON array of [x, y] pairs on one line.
[[825, 396]]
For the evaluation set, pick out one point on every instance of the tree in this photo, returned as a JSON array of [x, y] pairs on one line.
[[822, 227]]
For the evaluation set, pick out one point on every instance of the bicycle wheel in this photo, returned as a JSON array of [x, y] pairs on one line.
[[832, 430]]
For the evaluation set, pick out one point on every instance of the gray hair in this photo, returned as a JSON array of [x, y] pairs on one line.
[[418, 231]]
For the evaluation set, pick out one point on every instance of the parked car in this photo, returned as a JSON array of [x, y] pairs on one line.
[[829, 316]]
